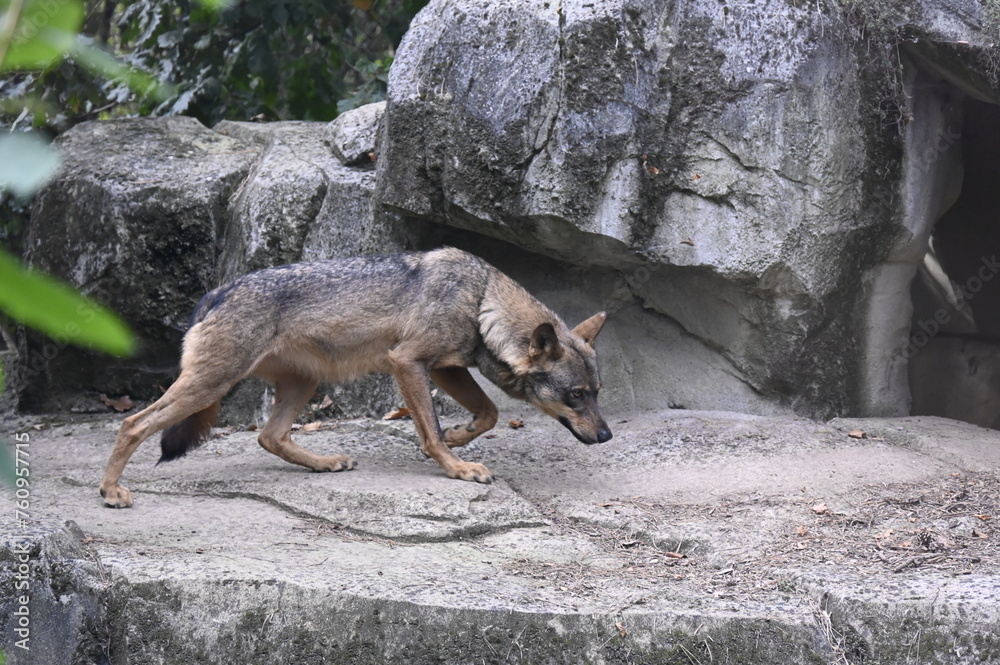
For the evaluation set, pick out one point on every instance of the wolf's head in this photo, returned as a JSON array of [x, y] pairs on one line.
[[563, 381]]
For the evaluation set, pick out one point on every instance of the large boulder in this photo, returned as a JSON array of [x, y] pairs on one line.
[[133, 221], [739, 165], [146, 216]]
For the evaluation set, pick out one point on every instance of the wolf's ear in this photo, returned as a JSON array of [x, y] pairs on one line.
[[544, 344], [588, 329]]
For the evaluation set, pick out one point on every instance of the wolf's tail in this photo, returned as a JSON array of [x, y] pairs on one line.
[[188, 434]]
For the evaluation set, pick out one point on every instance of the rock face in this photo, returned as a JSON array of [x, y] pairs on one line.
[[746, 189], [739, 165], [133, 221], [722, 174], [148, 215]]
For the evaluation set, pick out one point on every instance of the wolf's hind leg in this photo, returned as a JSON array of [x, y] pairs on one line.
[[191, 393], [291, 393], [458, 382]]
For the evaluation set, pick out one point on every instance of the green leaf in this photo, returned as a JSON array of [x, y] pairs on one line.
[[26, 162], [104, 64], [46, 304], [44, 30], [215, 5], [8, 475]]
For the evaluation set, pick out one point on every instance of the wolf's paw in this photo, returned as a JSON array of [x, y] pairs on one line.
[[459, 435], [471, 471], [117, 497], [335, 463]]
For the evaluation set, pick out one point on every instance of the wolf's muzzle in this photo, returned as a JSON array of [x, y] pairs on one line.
[[603, 432]]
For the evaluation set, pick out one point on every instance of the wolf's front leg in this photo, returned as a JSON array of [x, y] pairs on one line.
[[414, 384], [458, 382]]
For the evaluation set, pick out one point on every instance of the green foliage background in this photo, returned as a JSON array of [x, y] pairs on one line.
[[251, 59]]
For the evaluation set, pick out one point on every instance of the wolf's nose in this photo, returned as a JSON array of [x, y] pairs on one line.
[[603, 434]]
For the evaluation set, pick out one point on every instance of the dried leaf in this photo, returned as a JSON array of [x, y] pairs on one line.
[[675, 555], [857, 434], [687, 241], [313, 426], [516, 423], [372, 156], [819, 508], [976, 533], [650, 169], [621, 628], [252, 427], [696, 176], [123, 403], [396, 414], [802, 531], [984, 517], [326, 403]]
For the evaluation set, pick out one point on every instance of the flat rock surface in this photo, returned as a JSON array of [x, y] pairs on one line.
[[728, 537]]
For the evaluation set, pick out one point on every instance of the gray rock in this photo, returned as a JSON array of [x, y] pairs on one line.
[[51, 595], [729, 166], [231, 555], [133, 220], [737, 165], [148, 215], [300, 203], [281, 196], [353, 135]]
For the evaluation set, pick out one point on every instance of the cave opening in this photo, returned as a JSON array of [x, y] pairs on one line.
[[954, 344]]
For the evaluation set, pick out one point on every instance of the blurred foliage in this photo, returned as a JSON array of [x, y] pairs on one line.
[[254, 59], [37, 35]]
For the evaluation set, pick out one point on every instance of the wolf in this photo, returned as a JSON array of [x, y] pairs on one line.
[[419, 316]]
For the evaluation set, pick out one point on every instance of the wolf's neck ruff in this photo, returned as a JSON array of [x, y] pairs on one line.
[[508, 317]]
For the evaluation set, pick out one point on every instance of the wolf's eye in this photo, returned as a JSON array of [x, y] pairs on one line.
[[576, 393]]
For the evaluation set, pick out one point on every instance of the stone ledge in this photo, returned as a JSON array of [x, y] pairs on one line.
[[230, 555]]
